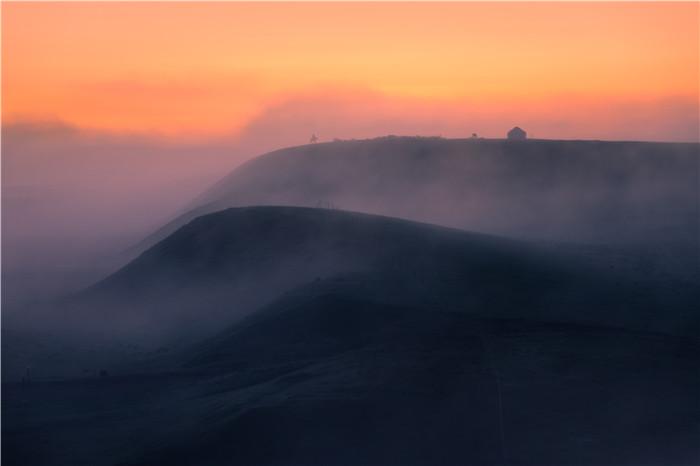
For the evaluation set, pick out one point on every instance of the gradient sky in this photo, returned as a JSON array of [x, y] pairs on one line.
[[612, 70]]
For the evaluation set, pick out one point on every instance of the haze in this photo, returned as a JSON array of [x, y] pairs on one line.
[[350, 233], [116, 115]]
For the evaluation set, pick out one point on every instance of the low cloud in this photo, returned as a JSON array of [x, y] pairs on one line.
[[67, 190]]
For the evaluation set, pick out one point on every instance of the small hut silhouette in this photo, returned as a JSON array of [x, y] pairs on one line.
[[517, 134], [313, 139]]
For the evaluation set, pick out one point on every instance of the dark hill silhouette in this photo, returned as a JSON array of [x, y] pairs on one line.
[[250, 255], [373, 383], [607, 192], [223, 266], [317, 336]]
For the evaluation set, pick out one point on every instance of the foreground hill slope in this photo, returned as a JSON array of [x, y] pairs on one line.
[[372, 383], [336, 380], [293, 335], [229, 263], [611, 192], [224, 266], [315, 336]]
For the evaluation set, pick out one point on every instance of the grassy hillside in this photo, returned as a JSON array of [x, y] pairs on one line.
[[609, 192], [237, 259], [336, 380], [287, 335], [224, 266], [378, 384]]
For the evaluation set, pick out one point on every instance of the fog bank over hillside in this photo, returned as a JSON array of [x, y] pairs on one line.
[[224, 266], [582, 191], [250, 331], [87, 183], [75, 199]]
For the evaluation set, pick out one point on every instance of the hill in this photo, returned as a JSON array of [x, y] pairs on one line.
[[248, 256], [372, 383], [314, 336], [224, 266], [592, 191]]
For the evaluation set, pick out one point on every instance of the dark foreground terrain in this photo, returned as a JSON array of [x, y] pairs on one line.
[[406, 387], [281, 335]]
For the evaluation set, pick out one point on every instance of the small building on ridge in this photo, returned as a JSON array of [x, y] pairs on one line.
[[517, 134]]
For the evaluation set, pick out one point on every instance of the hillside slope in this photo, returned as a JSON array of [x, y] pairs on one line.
[[287, 335], [224, 266], [323, 376], [233, 261], [372, 383], [609, 192]]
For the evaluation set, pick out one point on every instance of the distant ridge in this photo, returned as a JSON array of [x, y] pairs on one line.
[[608, 192]]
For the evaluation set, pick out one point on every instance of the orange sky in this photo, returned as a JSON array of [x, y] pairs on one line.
[[211, 68]]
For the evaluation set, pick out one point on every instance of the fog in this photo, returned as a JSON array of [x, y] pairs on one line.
[[577, 191], [73, 200], [77, 204], [221, 268], [574, 286], [72, 195]]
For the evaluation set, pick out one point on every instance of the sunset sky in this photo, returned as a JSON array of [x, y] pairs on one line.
[[613, 71]]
